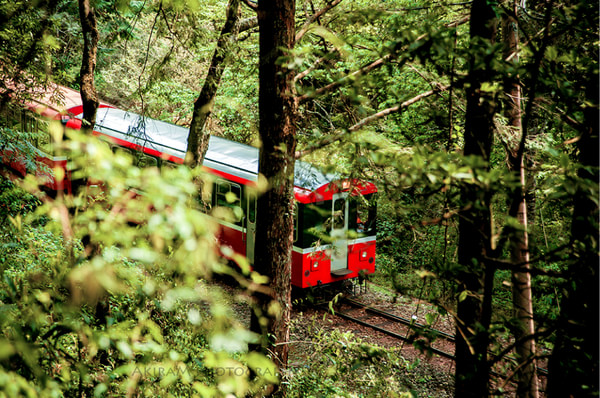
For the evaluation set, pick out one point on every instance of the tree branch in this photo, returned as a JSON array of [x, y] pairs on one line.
[[398, 108], [458, 22], [314, 17], [247, 24], [365, 69], [251, 4], [336, 137], [303, 74], [331, 86]]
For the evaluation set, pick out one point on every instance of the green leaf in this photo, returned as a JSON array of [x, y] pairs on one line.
[[430, 318], [263, 367], [6, 349], [551, 53], [488, 87]]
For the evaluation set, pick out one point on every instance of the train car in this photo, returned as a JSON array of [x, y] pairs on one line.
[[35, 115], [334, 228]]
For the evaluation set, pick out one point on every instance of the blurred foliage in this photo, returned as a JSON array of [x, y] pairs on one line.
[[101, 297]]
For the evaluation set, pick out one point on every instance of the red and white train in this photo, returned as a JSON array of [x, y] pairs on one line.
[[32, 116], [334, 226]]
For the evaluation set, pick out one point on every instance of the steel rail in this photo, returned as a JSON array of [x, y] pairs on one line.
[[384, 314], [399, 319], [386, 331]]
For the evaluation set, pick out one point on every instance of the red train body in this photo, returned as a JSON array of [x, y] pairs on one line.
[[56, 103], [334, 229]]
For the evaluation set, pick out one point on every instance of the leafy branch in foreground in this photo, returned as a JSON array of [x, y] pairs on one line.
[[123, 306]]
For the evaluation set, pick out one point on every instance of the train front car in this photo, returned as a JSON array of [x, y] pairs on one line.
[[41, 116], [334, 229]]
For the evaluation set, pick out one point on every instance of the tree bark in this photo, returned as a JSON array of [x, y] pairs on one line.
[[89, 97], [475, 225], [274, 231], [198, 138], [527, 382], [574, 362]]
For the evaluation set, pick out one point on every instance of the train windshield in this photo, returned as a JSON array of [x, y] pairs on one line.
[[362, 214], [315, 221]]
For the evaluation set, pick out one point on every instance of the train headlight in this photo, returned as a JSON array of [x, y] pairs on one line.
[[363, 255], [314, 265]]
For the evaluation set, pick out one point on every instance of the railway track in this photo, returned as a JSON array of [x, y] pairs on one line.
[[404, 329]]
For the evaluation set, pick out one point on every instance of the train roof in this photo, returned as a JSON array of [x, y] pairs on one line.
[[236, 161], [54, 101]]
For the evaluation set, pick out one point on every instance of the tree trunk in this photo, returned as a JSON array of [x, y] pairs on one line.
[[89, 97], [475, 225], [198, 139], [574, 362], [274, 231], [527, 382]]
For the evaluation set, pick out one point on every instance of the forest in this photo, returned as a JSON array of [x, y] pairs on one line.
[[476, 120]]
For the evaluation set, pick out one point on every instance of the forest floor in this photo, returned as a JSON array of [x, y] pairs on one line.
[[427, 375]]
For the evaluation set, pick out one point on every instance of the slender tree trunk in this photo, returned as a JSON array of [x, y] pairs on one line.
[[527, 382], [89, 97], [90, 102], [574, 362], [475, 225], [198, 138], [274, 231]]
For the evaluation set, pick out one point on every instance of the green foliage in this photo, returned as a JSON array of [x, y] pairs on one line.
[[27, 25], [14, 201], [154, 58], [336, 363], [109, 298]]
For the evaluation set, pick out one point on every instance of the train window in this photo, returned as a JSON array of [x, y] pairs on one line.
[[295, 209], [167, 164], [251, 207], [29, 123], [44, 142], [315, 221], [105, 144], [8, 116], [339, 213], [119, 150], [229, 195], [362, 214], [147, 161]]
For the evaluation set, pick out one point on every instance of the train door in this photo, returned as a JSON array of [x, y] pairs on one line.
[[251, 226], [339, 233]]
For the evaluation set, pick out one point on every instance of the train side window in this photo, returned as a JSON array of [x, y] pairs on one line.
[[29, 122], [295, 210], [366, 213], [165, 164], [147, 161], [252, 207], [316, 222], [229, 195], [8, 114], [44, 141], [119, 150]]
